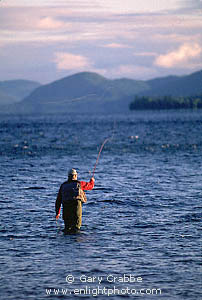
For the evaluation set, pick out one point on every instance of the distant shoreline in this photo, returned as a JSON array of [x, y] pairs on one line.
[[165, 103]]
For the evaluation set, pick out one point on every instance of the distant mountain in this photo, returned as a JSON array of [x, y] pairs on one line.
[[189, 85], [90, 92], [12, 91], [83, 92]]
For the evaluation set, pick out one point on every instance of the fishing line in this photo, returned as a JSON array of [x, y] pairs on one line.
[[101, 148], [105, 141]]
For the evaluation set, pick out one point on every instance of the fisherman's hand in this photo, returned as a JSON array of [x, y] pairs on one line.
[[93, 179], [57, 217]]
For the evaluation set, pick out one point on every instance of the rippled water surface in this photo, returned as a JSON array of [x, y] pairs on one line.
[[142, 219]]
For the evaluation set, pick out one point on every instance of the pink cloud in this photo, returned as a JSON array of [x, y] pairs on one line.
[[69, 61], [116, 45], [181, 55], [50, 23]]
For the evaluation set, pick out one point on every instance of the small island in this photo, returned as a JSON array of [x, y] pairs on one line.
[[166, 102]]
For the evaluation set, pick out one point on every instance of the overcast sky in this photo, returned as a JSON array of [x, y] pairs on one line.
[[45, 40]]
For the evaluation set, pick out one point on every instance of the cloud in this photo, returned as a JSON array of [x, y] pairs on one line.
[[145, 54], [69, 61], [116, 46], [115, 6], [177, 38], [134, 39], [138, 6], [50, 23], [182, 55], [32, 19], [193, 4]]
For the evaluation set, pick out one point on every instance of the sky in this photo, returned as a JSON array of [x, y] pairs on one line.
[[46, 40]]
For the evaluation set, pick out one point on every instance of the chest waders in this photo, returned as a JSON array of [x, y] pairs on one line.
[[72, 198]]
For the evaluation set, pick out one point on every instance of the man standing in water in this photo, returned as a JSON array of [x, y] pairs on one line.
[[71, 195]]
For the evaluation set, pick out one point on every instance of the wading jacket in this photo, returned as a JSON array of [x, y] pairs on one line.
[[67, 198]]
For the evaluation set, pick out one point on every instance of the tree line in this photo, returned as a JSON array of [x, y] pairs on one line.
[[166, 102]]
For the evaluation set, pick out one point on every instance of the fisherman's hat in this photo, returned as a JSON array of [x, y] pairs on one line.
[[72, 172]]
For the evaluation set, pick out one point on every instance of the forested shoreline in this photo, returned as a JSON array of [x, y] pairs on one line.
[[166, 102]]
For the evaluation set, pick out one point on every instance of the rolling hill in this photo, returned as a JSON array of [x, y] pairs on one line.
[[86, 92], [176, 86], [13, 91]]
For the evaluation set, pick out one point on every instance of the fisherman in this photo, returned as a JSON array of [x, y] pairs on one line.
[[71, 195]]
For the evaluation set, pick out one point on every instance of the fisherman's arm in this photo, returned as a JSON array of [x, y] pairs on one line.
[[58, 204], [87, 186]]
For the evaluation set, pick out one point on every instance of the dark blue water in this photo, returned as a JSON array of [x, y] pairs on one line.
[[140, 236]]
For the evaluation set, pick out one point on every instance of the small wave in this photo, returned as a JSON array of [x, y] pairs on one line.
[[35, 188], [111, 201], [100, 189], [146, 225], [194, 217]]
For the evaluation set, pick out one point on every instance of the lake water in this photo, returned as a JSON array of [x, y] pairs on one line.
[[140, 236]]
